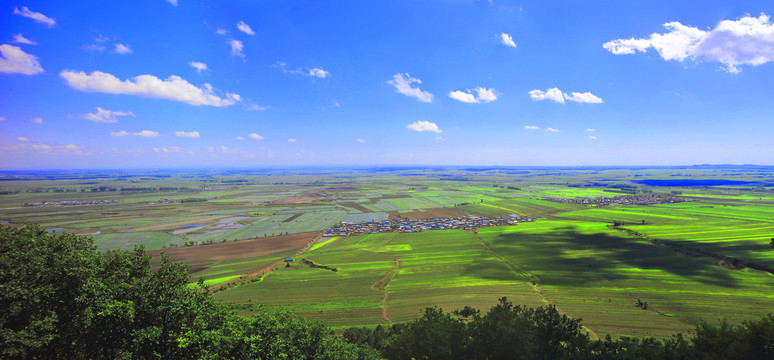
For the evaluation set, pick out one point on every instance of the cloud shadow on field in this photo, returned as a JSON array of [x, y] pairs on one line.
[[551, 257]]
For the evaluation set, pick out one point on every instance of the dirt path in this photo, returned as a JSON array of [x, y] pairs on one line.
[[381, 285], [535, 283]]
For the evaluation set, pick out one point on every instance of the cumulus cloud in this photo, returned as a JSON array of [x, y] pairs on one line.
[[531, 127], [236, 48], [421, 125], [38, 17], [292, 140], [37, 120], [22, 138], [20, 39], [122, 49], [190, 134], [556, 95], [173, 88], [255, 136], [199, 66], [14, 60], [482, 95], [361, 141], [119, 133], [146, 133], [507, 40], [552, 129], [313, 72], [745, 41], [402, 83], [106, 116], [243, 27]]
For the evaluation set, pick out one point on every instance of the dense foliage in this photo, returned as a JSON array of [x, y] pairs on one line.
[[60, 299], [510, 331]]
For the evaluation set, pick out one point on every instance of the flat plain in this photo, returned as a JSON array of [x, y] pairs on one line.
[[626, 269]]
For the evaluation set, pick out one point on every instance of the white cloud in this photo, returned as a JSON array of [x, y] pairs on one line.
[[119, 133], [402, 83], [486, 95], [531, 127], [14, 60], [463, 97], [556, 95], [319, 72], [507, 40], [173, 88], [42, 147], [122, 49], [190, 134], [292, 140], [552, 130], [440, 138], [20, 39], [146, 133], [745, 41], [592, 137], [22, 138], [553, 94], [256, 107], [243, 27], [361, 141], [199, 66], [314, 72], [38, 17], [173, 2], [236, 48], [583, 98], [173, 149], [421, 125], [591, 130], [220, 31], [255, 136], [37, 120], [71, 147], [210, 149], [94, 47], [105, 116], [239, 138]]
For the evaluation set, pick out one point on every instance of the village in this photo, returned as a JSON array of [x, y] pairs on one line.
[[412, 226], [72, 203], [644, 199]]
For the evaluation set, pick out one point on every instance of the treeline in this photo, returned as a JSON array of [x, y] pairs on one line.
[[511, 331], [61, 299]]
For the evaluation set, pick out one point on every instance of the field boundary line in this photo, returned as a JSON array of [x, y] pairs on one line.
[[535, 283]]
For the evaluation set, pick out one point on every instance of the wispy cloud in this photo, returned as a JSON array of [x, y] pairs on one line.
[[556, 95], [122, 49], [361, 141], [591, 130], [199, 66], [240, 138], [173, 88], [531, 127], [745, 41], [292, 140], [106, 116], [507, 40], [15, 60], [552, 130], [173, 2], [120, 133], [38, 17], [482, 95], [255, 107], [592, 137], [22, 138], [255, 136], [403, 82], [421, 125], [318, 72], [243, 27], [190, 134], [20, 39], [37, 120]]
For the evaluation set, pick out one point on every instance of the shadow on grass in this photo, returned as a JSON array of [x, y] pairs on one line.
[[567, 257]]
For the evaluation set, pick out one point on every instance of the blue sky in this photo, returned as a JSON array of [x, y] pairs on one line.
[[188, 83]]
